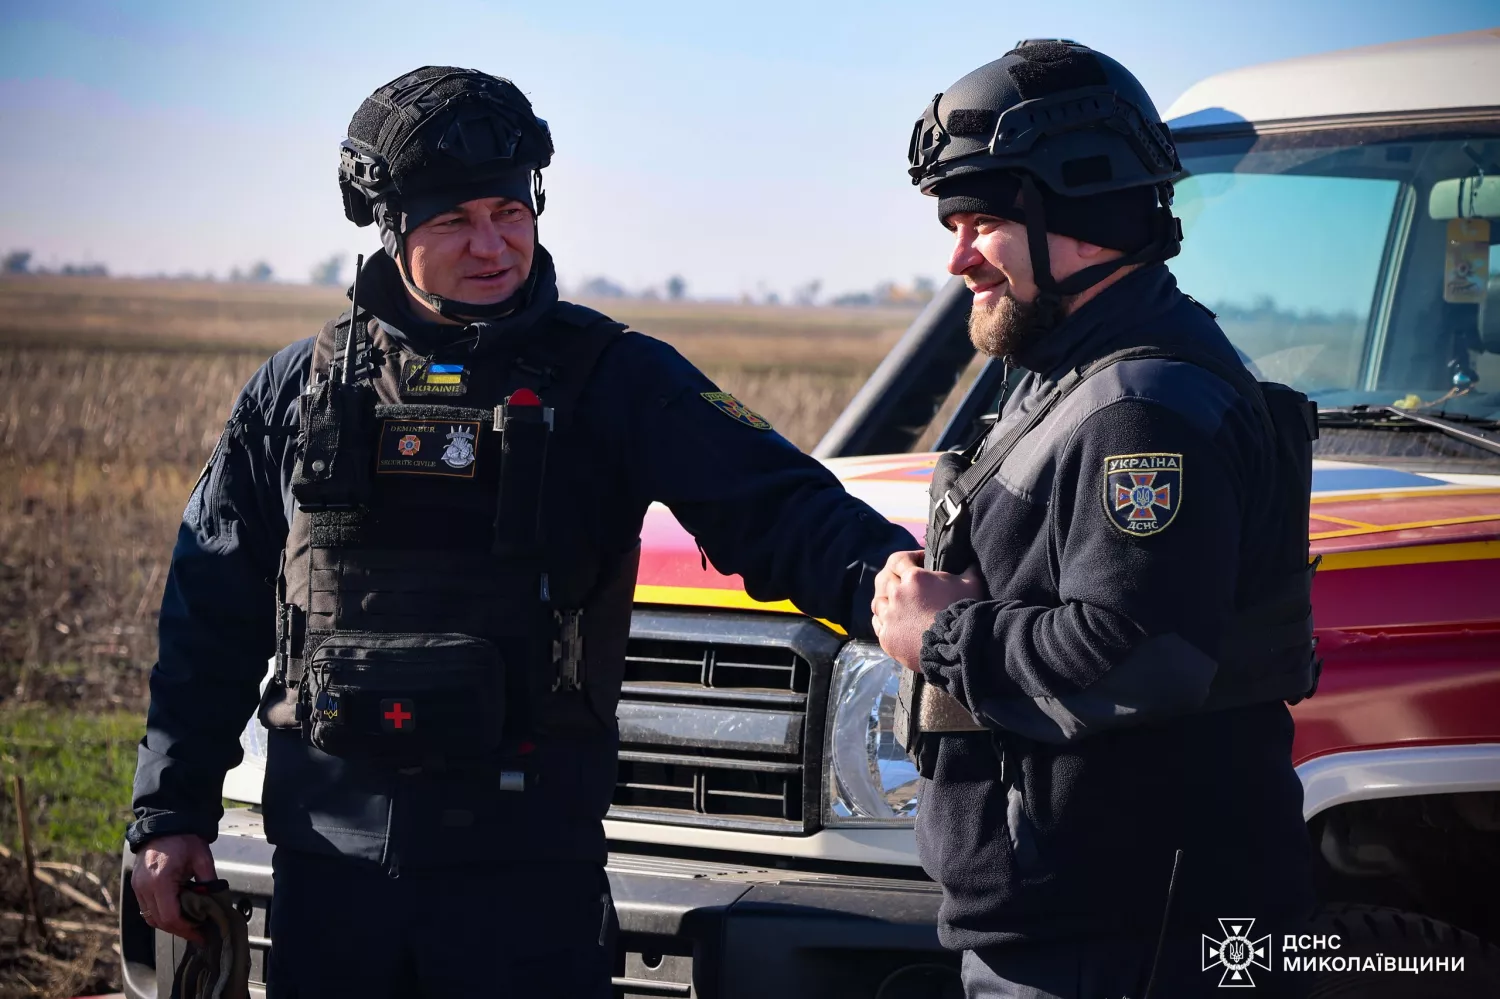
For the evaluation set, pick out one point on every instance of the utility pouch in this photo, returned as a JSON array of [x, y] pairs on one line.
[[337, 458], [525, 426], [404, 699]]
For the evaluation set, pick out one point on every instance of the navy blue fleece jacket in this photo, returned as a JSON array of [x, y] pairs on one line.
[[1114, 543]]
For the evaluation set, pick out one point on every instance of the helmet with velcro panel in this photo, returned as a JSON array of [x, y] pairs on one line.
[[432, 139], [1063, 139]]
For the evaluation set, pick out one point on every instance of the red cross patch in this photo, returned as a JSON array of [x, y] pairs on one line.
[[398, 714]]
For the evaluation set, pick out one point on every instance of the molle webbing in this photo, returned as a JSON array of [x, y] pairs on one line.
[[431, 553], [1267, 651], [388, 520], [377, 590]]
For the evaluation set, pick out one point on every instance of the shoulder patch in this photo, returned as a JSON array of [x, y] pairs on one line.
[[1142, 492], [736, 410]]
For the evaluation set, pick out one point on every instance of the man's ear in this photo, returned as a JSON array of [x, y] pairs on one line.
[[1092, 252]]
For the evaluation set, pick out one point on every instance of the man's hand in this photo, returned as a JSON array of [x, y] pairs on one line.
[[908, 599], [162, 867]]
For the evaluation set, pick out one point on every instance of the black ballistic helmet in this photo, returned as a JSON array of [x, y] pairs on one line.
[[1054, 131], [435, 138]]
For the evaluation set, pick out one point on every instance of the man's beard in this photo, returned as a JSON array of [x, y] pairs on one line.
[[1010, 326]]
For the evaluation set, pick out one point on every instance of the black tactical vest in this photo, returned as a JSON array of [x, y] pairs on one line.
[[430, 615], [1267, 653]]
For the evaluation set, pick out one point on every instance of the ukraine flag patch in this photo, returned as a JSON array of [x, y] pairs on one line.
[[420, 377]]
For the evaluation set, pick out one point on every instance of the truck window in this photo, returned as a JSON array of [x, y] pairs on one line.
[[1290, 263], [1326, 253]]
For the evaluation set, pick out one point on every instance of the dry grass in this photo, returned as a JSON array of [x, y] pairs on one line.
[[128, 314], [98, 452], [112, 393], [75, 961]]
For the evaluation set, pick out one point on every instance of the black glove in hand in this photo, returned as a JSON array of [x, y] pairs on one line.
[[219, 968]]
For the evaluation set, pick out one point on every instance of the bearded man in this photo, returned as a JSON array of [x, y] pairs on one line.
[[1131, 606]]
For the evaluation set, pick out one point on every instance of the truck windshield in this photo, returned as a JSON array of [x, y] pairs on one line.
[[1353, 263]]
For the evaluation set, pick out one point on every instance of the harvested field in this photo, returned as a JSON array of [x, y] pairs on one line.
[[112, 393], [126, 314]]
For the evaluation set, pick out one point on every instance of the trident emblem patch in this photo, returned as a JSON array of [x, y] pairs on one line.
[[736, 410], [1142, 492]]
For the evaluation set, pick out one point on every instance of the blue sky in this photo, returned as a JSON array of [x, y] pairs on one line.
[[745, 146]]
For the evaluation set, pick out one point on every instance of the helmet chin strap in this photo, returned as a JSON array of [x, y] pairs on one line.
[[1050, 291]]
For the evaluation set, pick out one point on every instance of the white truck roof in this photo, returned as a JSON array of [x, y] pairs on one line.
[[1424, 74]]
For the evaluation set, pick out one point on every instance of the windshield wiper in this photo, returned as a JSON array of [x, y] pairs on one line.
[[1475, 437], [1363, 414]]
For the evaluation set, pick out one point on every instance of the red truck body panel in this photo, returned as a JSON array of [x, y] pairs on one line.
[[1407, 598]]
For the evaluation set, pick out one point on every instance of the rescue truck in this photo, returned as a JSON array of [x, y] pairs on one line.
[[1341, 214]]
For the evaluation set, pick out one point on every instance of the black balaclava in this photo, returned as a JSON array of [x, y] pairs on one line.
[[1119, 220], [1064, 140], [1125, 220]]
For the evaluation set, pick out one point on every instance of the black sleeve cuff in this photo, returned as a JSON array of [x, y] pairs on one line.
[[860, 624], [942, 659], [158, 824]]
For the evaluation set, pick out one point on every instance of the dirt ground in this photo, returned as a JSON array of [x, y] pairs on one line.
[[79, 957]]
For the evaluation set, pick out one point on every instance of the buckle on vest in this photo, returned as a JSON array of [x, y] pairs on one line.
[[950, 509], [567, 651]]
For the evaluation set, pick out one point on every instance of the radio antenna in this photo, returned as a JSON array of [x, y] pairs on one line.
[[351, 346]]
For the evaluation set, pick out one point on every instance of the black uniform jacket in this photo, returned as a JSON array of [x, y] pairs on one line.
[[1115, 543], [758, 506]]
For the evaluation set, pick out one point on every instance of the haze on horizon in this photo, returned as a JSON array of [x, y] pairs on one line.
[[748, 150]]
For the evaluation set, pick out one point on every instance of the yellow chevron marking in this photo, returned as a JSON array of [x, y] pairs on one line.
[[1464, 551], [704, 596], [1391, 494], [1357, 529], [1346, 522]]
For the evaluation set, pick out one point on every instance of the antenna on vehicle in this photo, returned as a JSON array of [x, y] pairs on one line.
[[351, 347]]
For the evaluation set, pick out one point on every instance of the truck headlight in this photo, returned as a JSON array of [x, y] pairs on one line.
[[868, 778]]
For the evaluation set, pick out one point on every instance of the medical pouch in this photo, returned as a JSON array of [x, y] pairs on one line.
[[405, 700]]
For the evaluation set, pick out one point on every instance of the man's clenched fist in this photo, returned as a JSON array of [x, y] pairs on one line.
[[908, 599]]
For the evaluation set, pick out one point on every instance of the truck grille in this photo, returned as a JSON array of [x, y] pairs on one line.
[[715, 727]]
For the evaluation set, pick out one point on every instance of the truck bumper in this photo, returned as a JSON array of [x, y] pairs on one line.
[[688, 928]]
